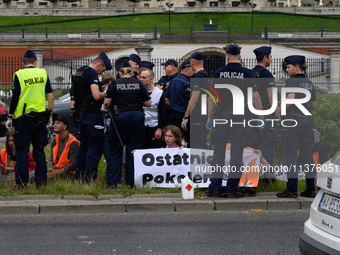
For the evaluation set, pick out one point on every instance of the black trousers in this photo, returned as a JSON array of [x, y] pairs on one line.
[[149, 140]]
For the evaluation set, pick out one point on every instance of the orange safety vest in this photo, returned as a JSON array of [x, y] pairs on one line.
[[63, 160], [4, 156]]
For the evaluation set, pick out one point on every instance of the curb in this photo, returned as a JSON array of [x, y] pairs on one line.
[[145, 203]]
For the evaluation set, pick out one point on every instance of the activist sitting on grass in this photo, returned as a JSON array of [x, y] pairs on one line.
[[172, 137], [8, 157], [64, 151]]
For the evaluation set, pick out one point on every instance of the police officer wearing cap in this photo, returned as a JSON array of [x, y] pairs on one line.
[[170, 68], [265, 83], [198, 131], [125, 98], [134, 60], [28, 111], [233, 73], [91, 120], [177, 97], [298, 138]]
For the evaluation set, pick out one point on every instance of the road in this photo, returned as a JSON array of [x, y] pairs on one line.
[[266, 232]]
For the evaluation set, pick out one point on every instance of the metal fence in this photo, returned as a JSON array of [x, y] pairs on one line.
[[61, 70]]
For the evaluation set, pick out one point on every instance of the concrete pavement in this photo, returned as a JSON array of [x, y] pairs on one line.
[[170, 202]]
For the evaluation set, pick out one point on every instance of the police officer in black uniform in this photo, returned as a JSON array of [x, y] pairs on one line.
[[300, 137], [198, 131], [91, 120], [134, 60], [125, 98], [265, 83], [242, 78], [28, 111], [177, 97], [170, 68]]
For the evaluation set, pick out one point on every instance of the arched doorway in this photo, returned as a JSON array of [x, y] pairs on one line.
[[213, 58]]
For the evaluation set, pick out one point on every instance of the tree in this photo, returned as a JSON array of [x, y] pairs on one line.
[[29, 1], [244, 1], [6, 1]]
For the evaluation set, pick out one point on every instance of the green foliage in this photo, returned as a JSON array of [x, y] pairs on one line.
[[327, 120], [6, 1], [201, 1], [53, 1], [222, 1], [244, 1], [133, 1], [29, 1]]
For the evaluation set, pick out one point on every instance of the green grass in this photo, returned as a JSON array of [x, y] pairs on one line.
[[65, 187], [180, 23]]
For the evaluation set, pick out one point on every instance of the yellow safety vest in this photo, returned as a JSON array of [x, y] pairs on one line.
[[32, 84]]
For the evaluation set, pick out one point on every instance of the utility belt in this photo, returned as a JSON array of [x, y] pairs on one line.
[[116, 111], [37, 120]]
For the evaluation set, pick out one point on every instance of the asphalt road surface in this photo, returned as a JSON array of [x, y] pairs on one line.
[[267, 232]]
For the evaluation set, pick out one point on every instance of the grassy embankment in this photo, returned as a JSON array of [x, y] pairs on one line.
[[180, 23]]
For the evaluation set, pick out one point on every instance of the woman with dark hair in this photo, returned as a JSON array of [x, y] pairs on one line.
[[8, 156]]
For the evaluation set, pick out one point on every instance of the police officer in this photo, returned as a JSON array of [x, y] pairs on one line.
[[197, 120], [170, 68], [125, 98], [242, 78], [134, 60], [300, 137], [268, 138], [177, 97], [28, 111], [91, 120]]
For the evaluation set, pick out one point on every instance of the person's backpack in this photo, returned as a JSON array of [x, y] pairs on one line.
[[76, 79]]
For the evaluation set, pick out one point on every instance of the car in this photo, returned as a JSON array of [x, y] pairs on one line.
[[64, 98], [3, 118], [322, 230]]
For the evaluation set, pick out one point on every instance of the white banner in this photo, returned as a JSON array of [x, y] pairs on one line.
[[166, 167]]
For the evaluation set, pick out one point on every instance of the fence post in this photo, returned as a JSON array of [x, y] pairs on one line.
[[228, 31], [266, 30], [191, 32], [98, 30], [46, 35], [23, 31], [155, 32]]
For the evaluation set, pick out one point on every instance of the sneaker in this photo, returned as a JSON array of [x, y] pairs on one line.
[[308, 193], [235, 195], [287, 194]]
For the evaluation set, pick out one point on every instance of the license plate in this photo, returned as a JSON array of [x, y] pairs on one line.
[[330, 205]]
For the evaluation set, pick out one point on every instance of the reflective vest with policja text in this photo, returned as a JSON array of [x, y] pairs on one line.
[[32, 84]]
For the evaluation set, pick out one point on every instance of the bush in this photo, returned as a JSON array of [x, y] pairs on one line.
[[327, 120]]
